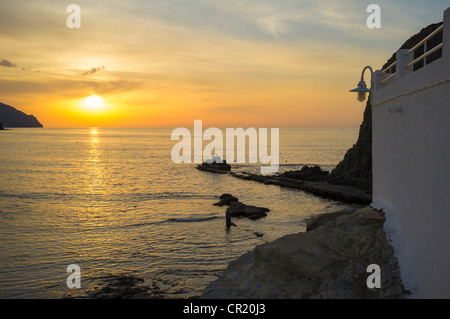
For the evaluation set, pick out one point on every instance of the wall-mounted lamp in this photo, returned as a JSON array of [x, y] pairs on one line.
[[362, 87]]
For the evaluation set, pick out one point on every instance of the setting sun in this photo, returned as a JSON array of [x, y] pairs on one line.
[[93, 101]]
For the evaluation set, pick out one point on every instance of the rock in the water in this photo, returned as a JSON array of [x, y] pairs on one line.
[[239, 209], [329, 261], [226, 199]]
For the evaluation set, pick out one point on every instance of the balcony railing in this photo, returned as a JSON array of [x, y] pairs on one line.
[[390, 69], [426, 51]]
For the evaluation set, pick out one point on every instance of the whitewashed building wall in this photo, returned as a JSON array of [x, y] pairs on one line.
[[411, 167]]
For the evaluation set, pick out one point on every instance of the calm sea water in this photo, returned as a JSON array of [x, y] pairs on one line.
[[113, 202]]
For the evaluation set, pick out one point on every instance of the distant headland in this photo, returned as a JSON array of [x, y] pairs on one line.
[[11, 117]]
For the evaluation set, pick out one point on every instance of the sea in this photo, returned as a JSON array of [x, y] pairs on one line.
[[113, 203]]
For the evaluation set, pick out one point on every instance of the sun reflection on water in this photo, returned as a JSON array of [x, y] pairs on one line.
[[94, 133], [94, 167]]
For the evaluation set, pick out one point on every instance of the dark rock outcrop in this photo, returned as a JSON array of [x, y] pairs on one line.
[[11, 117], [356, 167], [315, 174], [1, 127]]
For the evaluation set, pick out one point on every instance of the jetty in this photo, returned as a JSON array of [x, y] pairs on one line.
[[331, 191]]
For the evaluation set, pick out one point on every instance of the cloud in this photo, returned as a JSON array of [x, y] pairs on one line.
[[7, 64], [92, 71]]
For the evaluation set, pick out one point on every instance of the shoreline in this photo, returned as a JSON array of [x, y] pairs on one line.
[[328, 260]]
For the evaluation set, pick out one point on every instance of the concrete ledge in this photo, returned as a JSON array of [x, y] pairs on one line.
[[322, 189]]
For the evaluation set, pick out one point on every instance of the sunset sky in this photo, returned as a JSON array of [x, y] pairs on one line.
[[229, 63]]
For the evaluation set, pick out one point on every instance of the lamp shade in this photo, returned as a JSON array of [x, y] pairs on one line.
[[361, 90]]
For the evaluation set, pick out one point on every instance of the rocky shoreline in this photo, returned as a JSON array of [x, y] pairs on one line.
[[329, 260]]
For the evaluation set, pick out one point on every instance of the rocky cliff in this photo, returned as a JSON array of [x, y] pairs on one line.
[[329, 260], [356, 167], [11, 117]]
